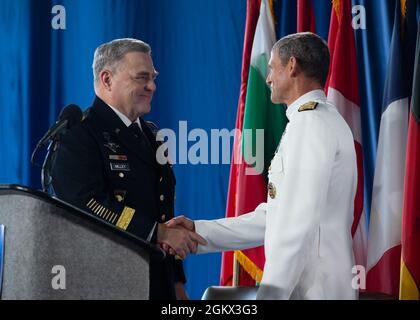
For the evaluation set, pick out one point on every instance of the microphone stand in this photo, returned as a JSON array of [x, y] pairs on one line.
[[69, 116], [48, 163]]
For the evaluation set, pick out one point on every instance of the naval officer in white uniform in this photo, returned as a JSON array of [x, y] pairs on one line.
[[305, 225]]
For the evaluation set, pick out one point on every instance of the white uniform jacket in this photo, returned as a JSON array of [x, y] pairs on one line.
[[305, 225]]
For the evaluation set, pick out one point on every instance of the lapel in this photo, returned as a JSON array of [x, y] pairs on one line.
[[119, 132], [151, 139], [165, 169]]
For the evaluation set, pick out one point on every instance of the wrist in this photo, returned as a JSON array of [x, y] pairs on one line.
[[161, 232]]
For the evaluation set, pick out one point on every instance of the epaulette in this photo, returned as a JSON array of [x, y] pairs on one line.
[[308, 106]]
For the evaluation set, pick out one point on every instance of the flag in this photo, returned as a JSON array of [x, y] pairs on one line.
[[253, 7], [410, 241], [342, 90], [384, 245], [248, 186], [305, 16]]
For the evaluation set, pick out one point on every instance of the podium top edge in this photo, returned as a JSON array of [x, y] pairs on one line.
[[11, 189]]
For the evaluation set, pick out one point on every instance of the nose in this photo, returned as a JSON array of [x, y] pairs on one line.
[[268, 80], [151, 85]]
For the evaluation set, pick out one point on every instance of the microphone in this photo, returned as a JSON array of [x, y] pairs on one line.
[[69, 116]]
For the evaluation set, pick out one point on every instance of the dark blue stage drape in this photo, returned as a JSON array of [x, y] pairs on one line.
[[197, 48], [372, 47]]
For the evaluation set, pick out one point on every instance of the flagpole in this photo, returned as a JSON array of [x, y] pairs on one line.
[[236, 271]]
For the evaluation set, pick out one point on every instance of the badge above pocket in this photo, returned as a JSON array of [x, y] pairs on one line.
[[119, 195]]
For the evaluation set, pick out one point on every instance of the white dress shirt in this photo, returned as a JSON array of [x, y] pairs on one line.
[[124, 118]]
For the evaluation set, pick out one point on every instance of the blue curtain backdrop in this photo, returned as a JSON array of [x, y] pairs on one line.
[[372, 47], [197, 48]]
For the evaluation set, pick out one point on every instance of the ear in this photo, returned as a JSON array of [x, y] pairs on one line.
[[105, 78], [293, 67]]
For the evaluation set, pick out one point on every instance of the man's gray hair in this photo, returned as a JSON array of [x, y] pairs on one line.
[[310, 51], [110, 53]]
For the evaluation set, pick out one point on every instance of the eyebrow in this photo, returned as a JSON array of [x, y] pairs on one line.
[[145, 73]]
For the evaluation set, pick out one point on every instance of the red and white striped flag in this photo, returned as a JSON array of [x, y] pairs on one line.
[[342, 91]]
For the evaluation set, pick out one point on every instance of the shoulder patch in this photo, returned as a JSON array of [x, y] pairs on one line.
[[308, 106]]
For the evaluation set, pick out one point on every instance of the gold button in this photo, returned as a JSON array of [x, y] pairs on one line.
[[161, 178], [163, 217], [121, 175], [162, 197]]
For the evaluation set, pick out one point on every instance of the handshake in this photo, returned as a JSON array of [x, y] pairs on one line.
[[178, 237]]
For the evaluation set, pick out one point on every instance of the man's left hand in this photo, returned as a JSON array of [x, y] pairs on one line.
[[181, 293]]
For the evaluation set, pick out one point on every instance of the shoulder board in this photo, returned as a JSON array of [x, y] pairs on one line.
[[308, 106]]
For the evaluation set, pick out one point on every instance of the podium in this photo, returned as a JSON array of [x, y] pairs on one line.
[[230, 293], [51, 250]]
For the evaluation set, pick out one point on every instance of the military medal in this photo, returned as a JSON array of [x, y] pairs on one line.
[[118, 157], [271, 190]]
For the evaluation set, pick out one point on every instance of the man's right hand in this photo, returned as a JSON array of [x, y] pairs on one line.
[[181, 221], [180, 238]]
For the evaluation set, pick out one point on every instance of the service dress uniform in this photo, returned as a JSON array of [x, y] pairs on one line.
[[305, 225], [108, 167]]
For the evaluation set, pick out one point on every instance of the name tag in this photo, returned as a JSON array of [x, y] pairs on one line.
[[120, 166]]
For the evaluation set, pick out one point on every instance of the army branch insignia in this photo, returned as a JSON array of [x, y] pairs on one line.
[[271, 190]]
